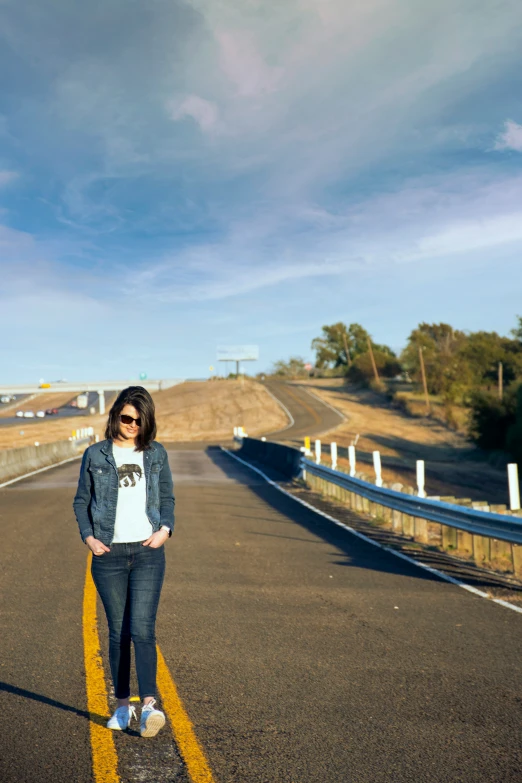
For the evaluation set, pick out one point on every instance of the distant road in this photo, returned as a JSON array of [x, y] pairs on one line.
[[311, 415], [65, 411]]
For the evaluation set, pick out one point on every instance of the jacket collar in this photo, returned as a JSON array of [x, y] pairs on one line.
[[106, 448]]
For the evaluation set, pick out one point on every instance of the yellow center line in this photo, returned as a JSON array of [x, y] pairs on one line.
[[103, 750], [303, 404], [182, 728]]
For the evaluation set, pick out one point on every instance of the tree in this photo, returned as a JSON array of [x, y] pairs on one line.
[[361, 370], [293, 368], [340, 345], [447, 371], [492, 419], [514, 433], [484, 350], [335, 347], [517, 331]]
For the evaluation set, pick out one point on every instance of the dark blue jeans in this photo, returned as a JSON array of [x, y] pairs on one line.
[[129, 580]]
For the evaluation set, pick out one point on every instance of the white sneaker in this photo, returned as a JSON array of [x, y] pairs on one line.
[[152, 720], [121, 718]]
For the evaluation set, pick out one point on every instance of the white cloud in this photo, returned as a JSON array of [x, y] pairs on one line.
[[303, 106], [243, 64], [204, 112], [6, 177], [511, 138]]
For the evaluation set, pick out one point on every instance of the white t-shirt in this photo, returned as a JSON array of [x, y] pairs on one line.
[[132, 523]]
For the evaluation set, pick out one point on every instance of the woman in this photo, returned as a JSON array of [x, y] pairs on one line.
[[124, 506]]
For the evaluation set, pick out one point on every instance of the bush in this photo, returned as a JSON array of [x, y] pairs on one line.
[[361, 370], [491, 419], [514, 434]]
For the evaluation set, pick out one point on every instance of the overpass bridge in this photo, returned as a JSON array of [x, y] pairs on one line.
[[94, 386]]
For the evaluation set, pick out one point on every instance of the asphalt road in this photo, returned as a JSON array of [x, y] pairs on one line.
[[311, 416], [301, 653]]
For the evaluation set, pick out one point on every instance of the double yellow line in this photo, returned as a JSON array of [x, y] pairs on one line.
[[104, 756]]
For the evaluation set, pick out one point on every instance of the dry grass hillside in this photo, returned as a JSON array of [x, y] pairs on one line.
[[454, 466], [211, 410], [190, 411]]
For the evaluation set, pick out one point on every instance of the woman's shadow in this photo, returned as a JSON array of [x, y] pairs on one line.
[[101, 720]]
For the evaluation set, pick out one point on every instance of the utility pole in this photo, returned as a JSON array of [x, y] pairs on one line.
[[347, 351], [372, 357], [500, 380], [424, 382]]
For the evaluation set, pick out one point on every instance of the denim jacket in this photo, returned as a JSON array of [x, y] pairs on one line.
[[97, 494]]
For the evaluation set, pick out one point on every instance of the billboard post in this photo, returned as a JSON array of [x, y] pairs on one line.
[[237, 354]]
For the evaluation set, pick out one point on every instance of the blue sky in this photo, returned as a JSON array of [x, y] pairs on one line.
[[179, 175]]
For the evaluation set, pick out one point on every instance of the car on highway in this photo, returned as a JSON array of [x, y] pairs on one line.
[[51, 411], [28, 414], [40, 414], [20, 414], [7, 398]]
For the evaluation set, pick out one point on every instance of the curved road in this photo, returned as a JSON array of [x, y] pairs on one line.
[[299, 652], [311, 416]]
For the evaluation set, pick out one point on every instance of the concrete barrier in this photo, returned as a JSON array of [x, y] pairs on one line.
[[18, 462], [284, 459]]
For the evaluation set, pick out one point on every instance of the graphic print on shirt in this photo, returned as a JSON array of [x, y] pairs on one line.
[[126, 475]]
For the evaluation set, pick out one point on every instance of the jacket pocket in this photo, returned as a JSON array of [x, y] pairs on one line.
[[100, 480]]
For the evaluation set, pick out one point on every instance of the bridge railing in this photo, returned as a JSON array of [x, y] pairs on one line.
[[483, 523], [406, 512]]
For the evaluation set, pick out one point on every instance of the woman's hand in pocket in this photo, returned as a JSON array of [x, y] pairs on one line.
[[157, 539], [96, 547]]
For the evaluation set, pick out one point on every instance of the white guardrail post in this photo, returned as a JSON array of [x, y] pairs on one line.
[[492, 523], [351, 459], [514, 489], [317, 452], [421, 479], [377, 467], [333, 454]]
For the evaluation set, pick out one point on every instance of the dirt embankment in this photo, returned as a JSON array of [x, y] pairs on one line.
[[206, 411], [454, 466], [211, 410]]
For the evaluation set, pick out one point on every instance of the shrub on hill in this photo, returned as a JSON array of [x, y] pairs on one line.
[[361, 370], [514, 434], [491, 419]]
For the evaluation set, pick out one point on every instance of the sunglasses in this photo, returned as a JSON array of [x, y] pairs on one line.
[[128, 419]]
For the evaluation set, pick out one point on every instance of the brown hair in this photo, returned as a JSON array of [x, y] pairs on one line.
[[140, 399]]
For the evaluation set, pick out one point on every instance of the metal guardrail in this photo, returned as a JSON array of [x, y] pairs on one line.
[[482, 523]]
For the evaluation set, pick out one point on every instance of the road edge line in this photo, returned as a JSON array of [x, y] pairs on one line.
[[434, 571], [182, 728], [103, 749], [283, 406]]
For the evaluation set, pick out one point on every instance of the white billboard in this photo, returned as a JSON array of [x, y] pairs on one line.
[[237, 353]]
